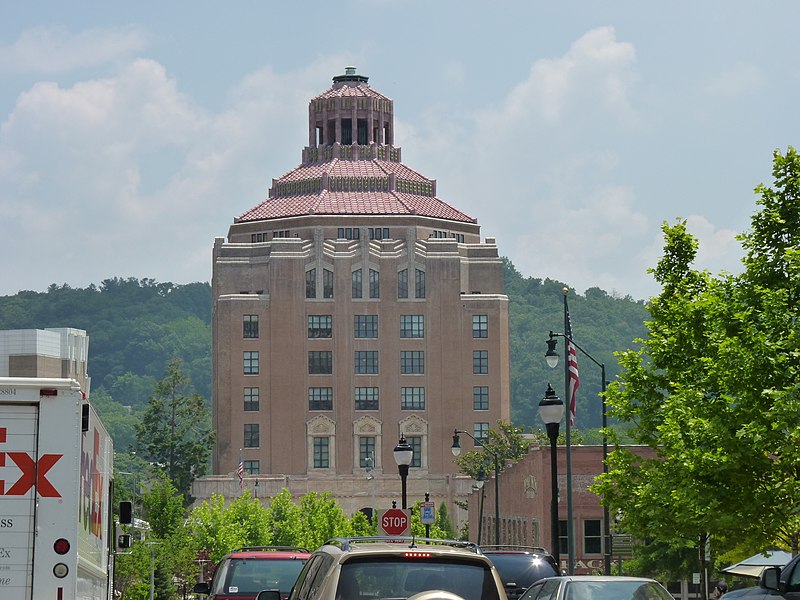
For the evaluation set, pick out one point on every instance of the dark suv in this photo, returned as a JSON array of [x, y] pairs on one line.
[[521, 566], [243, 573]]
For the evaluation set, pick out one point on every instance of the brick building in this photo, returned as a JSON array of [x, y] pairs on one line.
[[352, 306]]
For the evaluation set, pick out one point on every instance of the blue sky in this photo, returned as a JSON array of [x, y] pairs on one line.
[[131, 135]]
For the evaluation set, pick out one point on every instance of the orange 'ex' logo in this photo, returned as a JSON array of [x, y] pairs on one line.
[[32, 472]]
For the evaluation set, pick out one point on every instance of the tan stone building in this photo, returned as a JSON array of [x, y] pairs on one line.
[[352, 306]]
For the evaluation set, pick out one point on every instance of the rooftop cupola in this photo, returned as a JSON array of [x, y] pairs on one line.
[[350, 113]]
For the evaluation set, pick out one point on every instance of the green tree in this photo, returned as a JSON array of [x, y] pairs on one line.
[[505, 442], [163, 508], [322, 519], [175, 431]]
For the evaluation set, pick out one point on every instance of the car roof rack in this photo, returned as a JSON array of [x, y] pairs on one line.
[[346, 543], [536, 549], [275, 548]]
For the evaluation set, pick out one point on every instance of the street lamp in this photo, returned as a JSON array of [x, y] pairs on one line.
[[551, 356], [551, 410], [403, 453], [456, 449]]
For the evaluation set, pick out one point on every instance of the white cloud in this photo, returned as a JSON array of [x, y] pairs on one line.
[[56, 50], [740, 79]]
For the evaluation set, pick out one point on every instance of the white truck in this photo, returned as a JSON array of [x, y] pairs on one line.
[[56, 470]]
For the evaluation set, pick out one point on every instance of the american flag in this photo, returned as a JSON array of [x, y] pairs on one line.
[[240, 472], [572, 362]]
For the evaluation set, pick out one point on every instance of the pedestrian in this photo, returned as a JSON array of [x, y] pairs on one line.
[[719, 590]]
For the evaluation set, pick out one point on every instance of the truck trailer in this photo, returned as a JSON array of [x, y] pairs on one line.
[[56, 472]]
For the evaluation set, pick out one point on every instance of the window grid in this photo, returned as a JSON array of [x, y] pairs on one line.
[[419, 280], [320, 398], [250, 363], [412, 398], [327, 283], [251, 399], [412, 326], [366, 450], [415, 442], [366, 362], [320, 362], [592, 537], [563, 545], [311, 283], [250, 326], [402, 283], [480, 326], [251, 437], [357, 284], [322, 452], [251, 467], [480, 431], [374, 284], [480, 397], [412, 362], [480, 362], [320, 326], [367, 398], [365, 326]]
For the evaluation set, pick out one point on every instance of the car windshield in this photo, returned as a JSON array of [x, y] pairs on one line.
[[615, 590], [248, 576], [395, 577], [522, 569]]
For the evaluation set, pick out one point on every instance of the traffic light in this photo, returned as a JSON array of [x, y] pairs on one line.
[[126, 512], [124, 541]]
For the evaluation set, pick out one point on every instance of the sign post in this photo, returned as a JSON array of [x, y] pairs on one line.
[[395, 521]]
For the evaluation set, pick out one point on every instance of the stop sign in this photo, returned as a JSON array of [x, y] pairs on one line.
[[395, 521]]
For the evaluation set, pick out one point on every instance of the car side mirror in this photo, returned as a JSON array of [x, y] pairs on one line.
[[269, 595], [202, 588]]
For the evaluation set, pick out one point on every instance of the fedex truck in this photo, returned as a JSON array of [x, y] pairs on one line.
[[56, 469]]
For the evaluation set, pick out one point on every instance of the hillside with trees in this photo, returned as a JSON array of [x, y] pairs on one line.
[[136, 327]]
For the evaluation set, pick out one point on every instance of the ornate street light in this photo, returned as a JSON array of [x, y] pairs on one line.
[[551, 410], [403, 454]]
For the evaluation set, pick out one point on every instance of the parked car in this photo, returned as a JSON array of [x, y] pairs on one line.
[[243, 573], [596, 587], [521, 566], [398, 568], [775, 583]]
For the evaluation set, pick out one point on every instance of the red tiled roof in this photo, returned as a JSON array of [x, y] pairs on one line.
[[345, 91]]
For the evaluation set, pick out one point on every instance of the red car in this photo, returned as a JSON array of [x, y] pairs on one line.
[[244, 572]]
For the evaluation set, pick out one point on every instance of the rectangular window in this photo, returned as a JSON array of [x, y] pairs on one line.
[[358, 291], [250, 360], [366, 450], [480, 431], [251, 467], [367, 398], [480, 362], [419, 283], [320, 363], [365, 326], [563, 534], [348, 233], [374, 284], [592, 537], [402, 283], [412, 326], [250, 326], [320, 326], [322, 457], [480, 326], [416, 445], [250, 399], [251, 435], [412, 362], [311, 283], [480, 397], [366, 362], [379, 233], [327, 283], [320, 398], [412, 398]]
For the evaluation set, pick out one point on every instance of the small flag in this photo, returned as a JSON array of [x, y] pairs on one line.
[[240, 472], [572, 362]]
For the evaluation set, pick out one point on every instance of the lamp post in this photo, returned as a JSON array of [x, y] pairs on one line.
[[551, 410], [456, 449], [403, 453], [552, 361]]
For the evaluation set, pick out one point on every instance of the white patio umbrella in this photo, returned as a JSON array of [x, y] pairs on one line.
[[755, 565]]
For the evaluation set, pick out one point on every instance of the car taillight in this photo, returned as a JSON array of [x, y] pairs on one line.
[[61, 546]]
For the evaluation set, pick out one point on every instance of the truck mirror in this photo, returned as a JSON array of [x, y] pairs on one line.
[[126, 512], [202, 588], [124, 541]]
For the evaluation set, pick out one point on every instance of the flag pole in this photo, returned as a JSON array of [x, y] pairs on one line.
[[568, 398]]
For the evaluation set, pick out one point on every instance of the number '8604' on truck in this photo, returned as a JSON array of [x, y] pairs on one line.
[[56, 466]]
